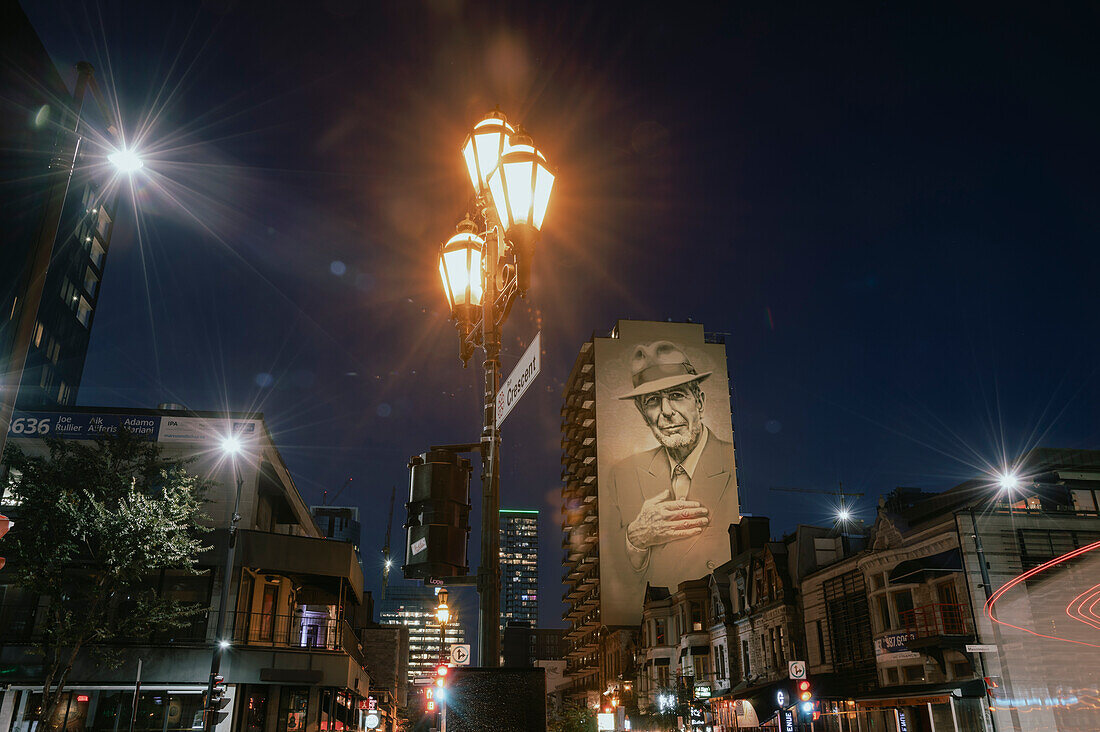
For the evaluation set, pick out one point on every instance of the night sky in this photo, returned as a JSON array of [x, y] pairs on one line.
[[890, 209]]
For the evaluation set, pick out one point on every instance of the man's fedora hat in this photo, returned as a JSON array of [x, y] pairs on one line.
[[658, 366]]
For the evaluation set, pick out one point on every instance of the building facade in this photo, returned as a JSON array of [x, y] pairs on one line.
[[519, 567], [605, 577], [46, 170], [295, 661], [413, 605]]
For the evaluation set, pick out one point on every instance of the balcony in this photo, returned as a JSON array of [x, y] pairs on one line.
[[939, 624]]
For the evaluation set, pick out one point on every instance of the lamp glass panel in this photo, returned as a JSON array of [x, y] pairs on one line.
[[488, 146], [463, 272], [446, 284], [544, 184], [500, 201], [517, 177], [471, 163]]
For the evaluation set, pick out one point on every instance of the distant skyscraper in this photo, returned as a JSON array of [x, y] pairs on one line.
[[38, 116], [413, 605], [519, 567]]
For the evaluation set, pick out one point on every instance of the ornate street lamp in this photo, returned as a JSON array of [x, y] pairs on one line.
[[443, 615], [520, 186], [483, 267], [484, 146], [461, 271]]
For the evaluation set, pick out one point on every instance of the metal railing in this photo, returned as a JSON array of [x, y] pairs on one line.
[[937, 619], [290, 631]]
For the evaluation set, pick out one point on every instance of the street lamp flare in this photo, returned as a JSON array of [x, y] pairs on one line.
[[126, 161]]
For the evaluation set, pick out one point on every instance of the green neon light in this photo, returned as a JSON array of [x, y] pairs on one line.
[[517, 510]]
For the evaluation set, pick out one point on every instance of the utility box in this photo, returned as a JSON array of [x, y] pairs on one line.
[[438, 525], [497, 699]]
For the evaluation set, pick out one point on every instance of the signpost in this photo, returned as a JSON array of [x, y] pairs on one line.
[[796, 669], [515, 386], [460, 654]]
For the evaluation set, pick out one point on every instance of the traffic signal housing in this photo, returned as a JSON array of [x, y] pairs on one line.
[[806, 703], [438, 515]]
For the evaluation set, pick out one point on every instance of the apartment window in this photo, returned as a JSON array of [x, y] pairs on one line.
[[696, 616], [892, 676], [91, 282], [820, 641], [660, 638], [914, 673], [961, 670], [39, 331], [882, 605], [781, 643], [745, 666], [97, 253], [84, 312], [903, 604]]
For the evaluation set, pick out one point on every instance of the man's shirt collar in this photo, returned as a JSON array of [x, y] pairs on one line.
[[692, 459]]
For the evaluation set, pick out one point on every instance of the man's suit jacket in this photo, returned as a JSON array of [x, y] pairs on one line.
[[640, 477]]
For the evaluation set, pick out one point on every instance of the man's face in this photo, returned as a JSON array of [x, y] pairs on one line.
[[675, 415]]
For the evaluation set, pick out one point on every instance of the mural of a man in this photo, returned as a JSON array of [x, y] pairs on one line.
[[667, 502]]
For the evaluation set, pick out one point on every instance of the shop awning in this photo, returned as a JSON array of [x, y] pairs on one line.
[[916, 694], [919, 570]]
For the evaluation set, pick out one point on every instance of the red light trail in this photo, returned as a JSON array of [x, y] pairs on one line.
[[1080, 608]]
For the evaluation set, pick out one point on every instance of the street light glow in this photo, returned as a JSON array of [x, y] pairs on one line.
[[126, 161], [844, 515], [224, 644], [231, 445], [1008, 481]]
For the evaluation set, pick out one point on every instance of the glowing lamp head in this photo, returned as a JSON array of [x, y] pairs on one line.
[[844, 515], [460, 270], [442, 612], [223, 644], [520, 187], [125, 161], [484, 146], [1008, 481], [389, 563], [231, 445]]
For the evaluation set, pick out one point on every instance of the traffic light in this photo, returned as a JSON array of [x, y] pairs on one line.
[[438, 515], [806, 703], [5, 524], [217, 696]]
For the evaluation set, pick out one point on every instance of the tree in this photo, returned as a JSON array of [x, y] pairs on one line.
[[96, 522], [573, 718]]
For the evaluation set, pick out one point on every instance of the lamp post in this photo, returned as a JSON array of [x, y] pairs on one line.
[[443, 615], [483, 267], [231, 447]]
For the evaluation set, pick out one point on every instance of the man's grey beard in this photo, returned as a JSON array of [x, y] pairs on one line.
[[678, 442]]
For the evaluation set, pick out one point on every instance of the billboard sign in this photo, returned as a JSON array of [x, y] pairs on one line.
[[893, 647], [667, 485], [150, 427]]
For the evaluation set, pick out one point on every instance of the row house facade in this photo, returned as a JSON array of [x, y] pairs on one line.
[[295, 662]]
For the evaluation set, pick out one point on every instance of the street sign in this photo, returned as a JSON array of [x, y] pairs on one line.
[[460, 654], [980, 648], [372, 719], [796, 669], [521, 377], [702, 691]]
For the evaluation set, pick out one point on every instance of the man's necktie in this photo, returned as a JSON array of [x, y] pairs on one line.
[[680, 482]]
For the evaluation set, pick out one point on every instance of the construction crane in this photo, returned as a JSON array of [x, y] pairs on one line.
[[324, 497], [386, 548]]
